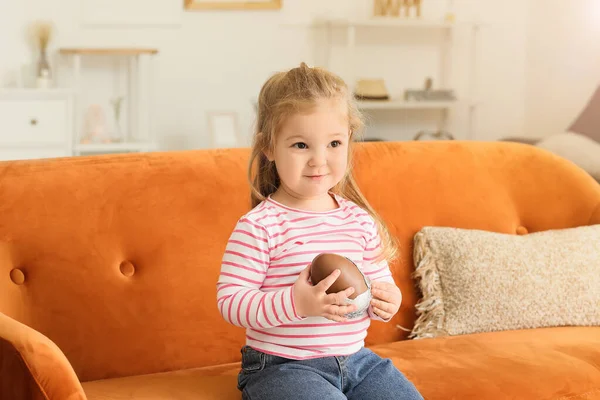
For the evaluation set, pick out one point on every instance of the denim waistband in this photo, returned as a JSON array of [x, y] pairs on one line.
[[254, 359]]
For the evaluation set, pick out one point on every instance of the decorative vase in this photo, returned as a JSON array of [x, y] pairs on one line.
[[44, 74], [117, 134]]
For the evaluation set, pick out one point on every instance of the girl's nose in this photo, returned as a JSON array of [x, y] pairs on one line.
[[317, 159]]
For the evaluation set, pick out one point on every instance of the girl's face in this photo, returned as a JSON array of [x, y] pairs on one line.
[[311, 150]]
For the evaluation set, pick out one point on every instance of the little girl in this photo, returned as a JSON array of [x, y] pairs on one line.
[[299, 342]]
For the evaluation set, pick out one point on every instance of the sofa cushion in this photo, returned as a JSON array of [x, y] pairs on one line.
[[499, 365], [478, 281], [544, 363], [208, 383]]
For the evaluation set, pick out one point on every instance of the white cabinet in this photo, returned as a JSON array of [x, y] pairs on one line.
[[35, 123], [31, 153]]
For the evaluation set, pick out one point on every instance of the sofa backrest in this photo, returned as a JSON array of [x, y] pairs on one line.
[[121, 253]]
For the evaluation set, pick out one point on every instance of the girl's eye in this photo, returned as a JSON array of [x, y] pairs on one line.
[[336, 143], [300, 145]]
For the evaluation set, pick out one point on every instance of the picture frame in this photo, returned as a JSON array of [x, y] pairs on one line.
[[224, 129], [232, 5]]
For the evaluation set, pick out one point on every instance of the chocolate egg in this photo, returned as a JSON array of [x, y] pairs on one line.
[[324, 264]]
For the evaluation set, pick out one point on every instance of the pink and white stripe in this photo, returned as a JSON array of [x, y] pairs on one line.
[[266, 252]]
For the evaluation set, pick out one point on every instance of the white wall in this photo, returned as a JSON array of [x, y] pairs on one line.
[[218, 61], [563, 63]]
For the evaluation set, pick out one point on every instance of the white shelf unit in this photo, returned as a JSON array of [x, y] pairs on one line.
[[397, 102], [389, 22], [405, 105], [138, 135]]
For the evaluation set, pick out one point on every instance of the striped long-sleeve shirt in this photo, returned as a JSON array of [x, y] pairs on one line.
[[266, 252]]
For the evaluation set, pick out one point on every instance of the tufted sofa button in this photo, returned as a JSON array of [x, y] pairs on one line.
[[17, 276], [521, 230], [127, 268]]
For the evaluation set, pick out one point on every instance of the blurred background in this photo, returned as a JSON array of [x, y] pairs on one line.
[[101, 76]]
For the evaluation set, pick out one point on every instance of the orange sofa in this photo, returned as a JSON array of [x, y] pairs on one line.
[[108, 267]]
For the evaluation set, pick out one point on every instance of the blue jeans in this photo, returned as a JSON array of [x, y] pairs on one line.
[[361, 376]]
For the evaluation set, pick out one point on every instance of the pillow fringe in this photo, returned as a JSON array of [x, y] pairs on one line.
[[430, 309]]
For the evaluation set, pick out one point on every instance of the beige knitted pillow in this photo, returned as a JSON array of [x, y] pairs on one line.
[[477, 281]]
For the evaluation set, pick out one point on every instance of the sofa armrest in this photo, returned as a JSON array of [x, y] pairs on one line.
[[40, 366]]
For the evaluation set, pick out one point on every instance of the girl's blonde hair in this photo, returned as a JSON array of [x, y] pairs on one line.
[[298, 90]]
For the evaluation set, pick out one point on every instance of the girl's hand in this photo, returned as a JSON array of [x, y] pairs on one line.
[[386, 299], [313, 301]]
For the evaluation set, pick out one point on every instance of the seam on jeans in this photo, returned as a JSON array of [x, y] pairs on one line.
[[267, 361], [337, 360]]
